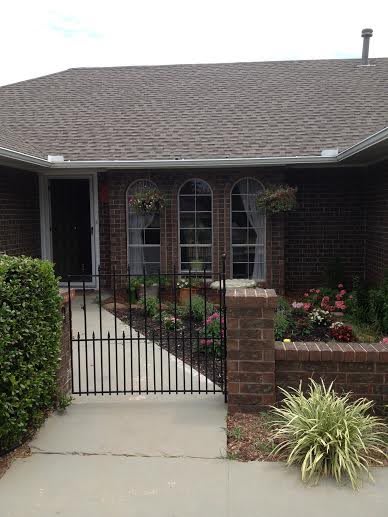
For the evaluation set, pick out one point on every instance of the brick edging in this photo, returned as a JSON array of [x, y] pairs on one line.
[[339, 352], [64, 293]]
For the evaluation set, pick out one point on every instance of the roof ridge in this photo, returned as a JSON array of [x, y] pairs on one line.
[[225, 63]]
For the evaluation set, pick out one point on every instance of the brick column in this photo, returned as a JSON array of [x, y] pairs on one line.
[[64, 370], [250, 349]]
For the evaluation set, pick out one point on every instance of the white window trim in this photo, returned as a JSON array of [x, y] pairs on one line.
[[130, 186], [211, 245], [231, 229]]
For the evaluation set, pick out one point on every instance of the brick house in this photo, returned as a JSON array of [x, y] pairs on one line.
[[74, 145]]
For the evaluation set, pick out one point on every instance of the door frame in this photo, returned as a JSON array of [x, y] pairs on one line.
[[45, 220]]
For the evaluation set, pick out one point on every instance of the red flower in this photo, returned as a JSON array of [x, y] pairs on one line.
[[340, 305]]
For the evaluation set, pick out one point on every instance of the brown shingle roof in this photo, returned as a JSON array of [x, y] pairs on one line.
[[13, 141], [263, 109]]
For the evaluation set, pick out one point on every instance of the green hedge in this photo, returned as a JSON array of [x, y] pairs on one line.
[[30, 330], [370, 305]]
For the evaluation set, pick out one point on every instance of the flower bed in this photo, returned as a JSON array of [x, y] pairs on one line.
[[321, 315]]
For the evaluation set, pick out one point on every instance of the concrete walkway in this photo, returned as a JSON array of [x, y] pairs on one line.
[[162, 456], [124, 364], [109, 484]]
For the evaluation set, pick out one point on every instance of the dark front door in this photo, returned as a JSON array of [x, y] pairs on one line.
[[70, 227]]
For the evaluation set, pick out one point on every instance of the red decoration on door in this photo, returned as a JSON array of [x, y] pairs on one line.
[[104, 193]]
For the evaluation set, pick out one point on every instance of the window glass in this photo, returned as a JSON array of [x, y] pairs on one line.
[[248, 231], [143, 235], [195, 222]]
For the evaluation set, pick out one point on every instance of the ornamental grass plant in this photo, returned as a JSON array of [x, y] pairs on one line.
[[327, 434]]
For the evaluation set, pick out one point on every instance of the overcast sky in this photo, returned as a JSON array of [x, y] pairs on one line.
[[40, 37]]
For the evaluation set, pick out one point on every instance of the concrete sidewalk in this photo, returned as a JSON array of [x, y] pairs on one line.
[[76, 485]]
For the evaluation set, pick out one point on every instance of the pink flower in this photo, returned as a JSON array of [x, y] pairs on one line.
[[307, 306], [338, 296], [340, 305], [318, 291], [384, 341], [306, 295], [312, 290], [340, 286], [350, 297], [343, 292]]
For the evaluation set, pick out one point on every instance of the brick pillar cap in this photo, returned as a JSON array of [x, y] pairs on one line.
[[254, 297]]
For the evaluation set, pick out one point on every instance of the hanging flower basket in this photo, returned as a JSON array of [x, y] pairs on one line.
[[277, 198], [147, 201]]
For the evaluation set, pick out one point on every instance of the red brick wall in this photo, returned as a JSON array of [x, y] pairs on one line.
[[329, 222], [377, 223], [19, 213], [113, 228], [359, 368], [341, 213]]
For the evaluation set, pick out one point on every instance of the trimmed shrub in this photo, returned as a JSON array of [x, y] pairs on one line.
[[198, 309], [283, 319], [150, 306], [30, 331], [328, 434], [370, 306]]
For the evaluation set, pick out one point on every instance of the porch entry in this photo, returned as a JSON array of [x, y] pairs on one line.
[[71, 227], [160, 334]]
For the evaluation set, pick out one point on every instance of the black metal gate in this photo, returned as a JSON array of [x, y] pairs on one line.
[[140, 333]]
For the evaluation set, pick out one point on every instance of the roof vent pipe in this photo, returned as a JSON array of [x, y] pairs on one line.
[[366, 34]]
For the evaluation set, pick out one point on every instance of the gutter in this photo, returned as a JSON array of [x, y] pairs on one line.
[[209, 162], [369, 141], [23, 157]]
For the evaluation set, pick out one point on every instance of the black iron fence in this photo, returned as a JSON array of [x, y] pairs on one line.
[[163, 333]]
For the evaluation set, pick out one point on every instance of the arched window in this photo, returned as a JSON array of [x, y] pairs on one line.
[[143, 235], [195, 226], [248, 231]]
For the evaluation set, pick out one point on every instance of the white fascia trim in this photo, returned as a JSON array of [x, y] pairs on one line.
[[23, 157], [370, 141], [210, 162]]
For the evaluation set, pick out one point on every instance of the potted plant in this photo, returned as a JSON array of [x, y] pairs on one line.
[[149, 284], [277, 198], [147, 201], [196, 265], [132, 290], [185, 285]]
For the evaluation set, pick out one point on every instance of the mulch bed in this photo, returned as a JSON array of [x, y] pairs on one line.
[[20, 452], [316, 334], [250, 437], [179, 347]]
